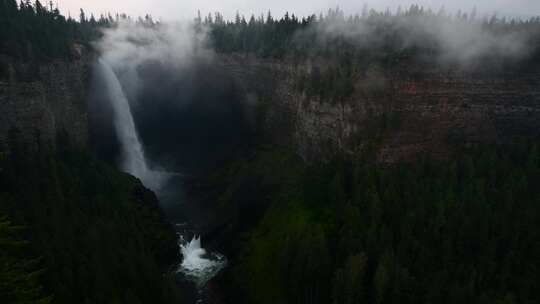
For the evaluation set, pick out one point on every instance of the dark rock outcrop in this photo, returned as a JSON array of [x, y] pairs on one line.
[[42, 100]]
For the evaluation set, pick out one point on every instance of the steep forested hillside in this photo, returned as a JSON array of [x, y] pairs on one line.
[[460, 231], [19, 273], [91, 234]]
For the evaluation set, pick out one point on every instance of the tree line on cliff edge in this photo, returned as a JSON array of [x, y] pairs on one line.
[[291, 36], [343, 48], [36, 31], [351, 47]]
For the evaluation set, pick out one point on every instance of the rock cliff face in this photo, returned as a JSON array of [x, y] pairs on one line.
[[39, 101], [402, 115]]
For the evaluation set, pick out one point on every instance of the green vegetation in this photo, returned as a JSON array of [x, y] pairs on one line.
[[92, 234], [36, 32], [360, 40], [462, 231], [19, 275]]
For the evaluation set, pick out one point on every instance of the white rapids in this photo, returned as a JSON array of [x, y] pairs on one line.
[[198, 265]]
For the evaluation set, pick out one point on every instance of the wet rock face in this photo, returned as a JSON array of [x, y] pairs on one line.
[[42, 100], [402, 116]]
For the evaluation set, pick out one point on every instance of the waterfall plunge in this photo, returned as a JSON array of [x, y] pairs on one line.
[[133, 160]]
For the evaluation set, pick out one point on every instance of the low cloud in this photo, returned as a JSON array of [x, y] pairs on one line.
[[133, 43], [455, 40], [130, 46]]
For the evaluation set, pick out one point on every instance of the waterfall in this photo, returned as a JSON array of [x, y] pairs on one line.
[[133, 160], [198, 265]]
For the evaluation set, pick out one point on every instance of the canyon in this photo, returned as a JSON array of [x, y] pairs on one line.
[[381, 158]]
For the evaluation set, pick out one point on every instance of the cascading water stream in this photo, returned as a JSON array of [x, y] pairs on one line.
[[197, 265], [133, 160]]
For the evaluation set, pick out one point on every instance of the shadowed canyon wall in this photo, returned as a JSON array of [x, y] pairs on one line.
[[40, 101], [401, 114]]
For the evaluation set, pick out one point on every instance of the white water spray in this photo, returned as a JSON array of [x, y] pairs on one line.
[[198, 265]]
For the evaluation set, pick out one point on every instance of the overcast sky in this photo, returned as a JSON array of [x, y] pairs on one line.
[[183, 9]]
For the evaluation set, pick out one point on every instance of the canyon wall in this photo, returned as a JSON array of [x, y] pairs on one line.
[[400, 114], [41, 100]]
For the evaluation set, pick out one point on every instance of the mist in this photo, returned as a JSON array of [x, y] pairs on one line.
[[454, 39], [189, 116]]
